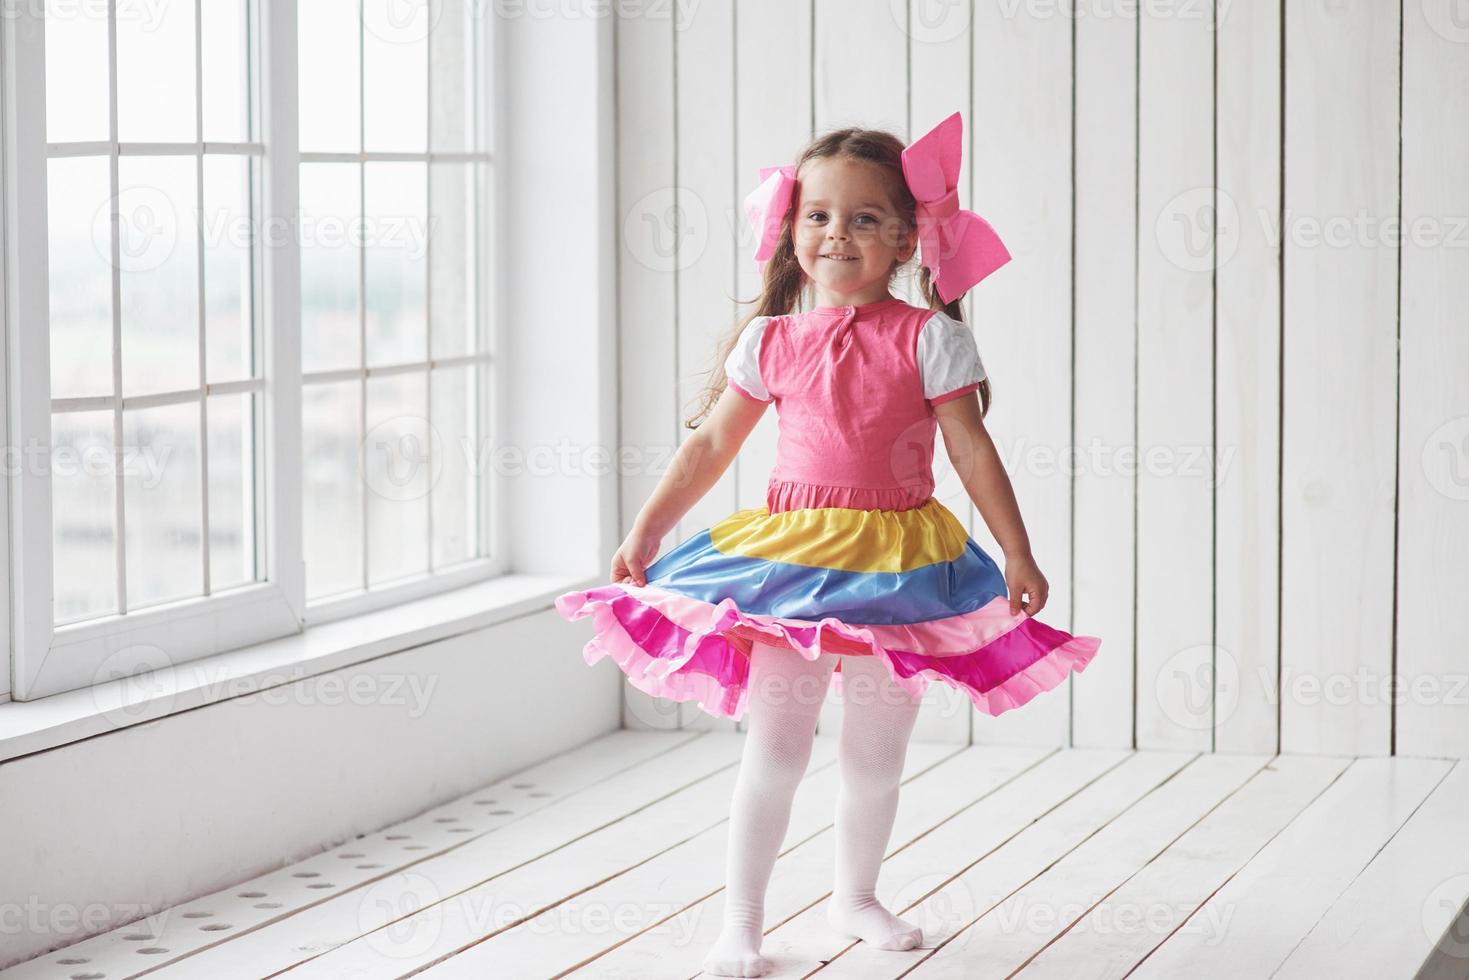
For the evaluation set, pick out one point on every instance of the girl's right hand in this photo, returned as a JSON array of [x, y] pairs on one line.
[[633, 557]]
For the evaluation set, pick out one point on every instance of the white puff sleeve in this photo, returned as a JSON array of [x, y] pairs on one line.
[[948, 358], [742, 366]]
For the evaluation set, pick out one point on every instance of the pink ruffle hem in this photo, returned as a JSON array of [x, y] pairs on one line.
[[676, 647]]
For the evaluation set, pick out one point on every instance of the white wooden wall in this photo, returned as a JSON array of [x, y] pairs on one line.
[[1266, 512]]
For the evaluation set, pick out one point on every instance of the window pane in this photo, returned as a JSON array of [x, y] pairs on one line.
[[76, 71], [452, 258], [395, 74], [155, 72], [396, 464], [456, 442], [452, 66], [395, 236], [328, 67], [84, 532], [228, 280], [79, 247], [232, 499], [161, 503], [224, 29], [332, 512], [330, 241], [160, 276]]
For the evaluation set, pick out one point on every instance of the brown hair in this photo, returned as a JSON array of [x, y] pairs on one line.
[[784, 279]]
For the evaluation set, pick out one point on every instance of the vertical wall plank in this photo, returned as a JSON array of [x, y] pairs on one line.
[[647, 314], [939, 46], [1338, 472], [1247, 390], [1174, 382], [1106, 378], [860, 75], [772, 69], [704, 183], [1020, 140], [1433, 458]]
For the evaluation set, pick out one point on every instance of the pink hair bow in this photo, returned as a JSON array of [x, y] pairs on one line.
[[958, 246], [766, 207]]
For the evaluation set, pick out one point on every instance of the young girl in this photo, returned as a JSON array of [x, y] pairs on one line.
[[852, 569]]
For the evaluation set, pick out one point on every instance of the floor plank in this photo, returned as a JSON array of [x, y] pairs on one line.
[[1133, 919], [1249, 926], [1394, 914], [1007, 934]]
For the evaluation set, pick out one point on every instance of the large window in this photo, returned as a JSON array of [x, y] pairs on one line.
[[248, 429]]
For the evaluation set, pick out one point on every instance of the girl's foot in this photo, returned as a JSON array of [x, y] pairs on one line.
[[868, 921], [736, 953]]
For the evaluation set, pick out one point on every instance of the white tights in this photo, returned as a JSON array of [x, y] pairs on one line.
[[785, 698]]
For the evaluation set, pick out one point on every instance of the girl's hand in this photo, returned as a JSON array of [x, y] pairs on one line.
[[633, 556], [1022, 575]]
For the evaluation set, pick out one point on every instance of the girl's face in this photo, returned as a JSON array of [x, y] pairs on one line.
[[846, 232]]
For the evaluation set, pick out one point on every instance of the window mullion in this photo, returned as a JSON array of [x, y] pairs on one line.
[[280, 248], [428, 278], [362, 296], [115, 263], [199, 282]]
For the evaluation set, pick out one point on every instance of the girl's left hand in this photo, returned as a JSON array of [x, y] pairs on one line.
[[1023, 575]]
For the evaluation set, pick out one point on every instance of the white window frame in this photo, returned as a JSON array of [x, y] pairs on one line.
[[49, 659]]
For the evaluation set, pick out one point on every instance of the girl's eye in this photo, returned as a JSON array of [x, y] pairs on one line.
[[821, 215]]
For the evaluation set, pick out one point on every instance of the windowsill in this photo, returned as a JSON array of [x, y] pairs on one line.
[[45, 723]]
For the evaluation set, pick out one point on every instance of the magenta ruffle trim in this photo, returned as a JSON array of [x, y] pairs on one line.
[[784, 495], [709, 663]]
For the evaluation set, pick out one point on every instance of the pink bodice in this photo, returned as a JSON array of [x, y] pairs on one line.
[[855, 428]]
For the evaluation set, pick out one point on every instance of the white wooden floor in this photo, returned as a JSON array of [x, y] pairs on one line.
[[608, 862]]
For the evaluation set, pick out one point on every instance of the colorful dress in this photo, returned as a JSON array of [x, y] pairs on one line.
[[851, 554]]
